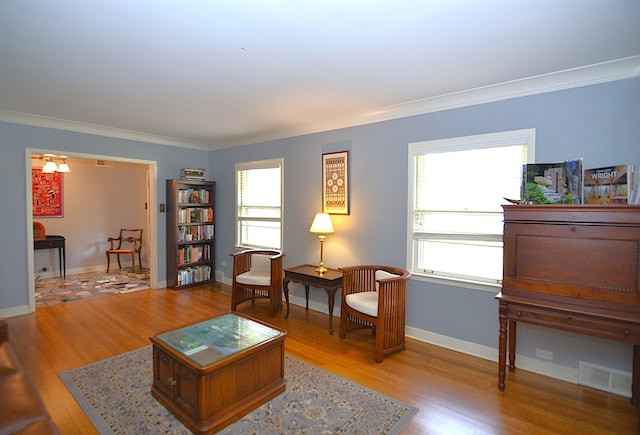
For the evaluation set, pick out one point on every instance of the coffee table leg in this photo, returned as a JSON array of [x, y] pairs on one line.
[[306, 293], [285, 285]]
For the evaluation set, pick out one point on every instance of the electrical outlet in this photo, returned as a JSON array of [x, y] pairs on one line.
[[223, 263], [544, 354]]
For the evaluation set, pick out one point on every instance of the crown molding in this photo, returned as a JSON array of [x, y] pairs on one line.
[[98, 130], [619, 69]]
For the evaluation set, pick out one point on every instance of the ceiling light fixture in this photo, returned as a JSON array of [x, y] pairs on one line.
[[63, 167], [50, 165]]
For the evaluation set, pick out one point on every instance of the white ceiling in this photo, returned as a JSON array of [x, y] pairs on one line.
[[214, 74]]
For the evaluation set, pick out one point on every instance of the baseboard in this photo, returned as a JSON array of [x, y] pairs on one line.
[[534, 365], [100, 268], [14, 311]]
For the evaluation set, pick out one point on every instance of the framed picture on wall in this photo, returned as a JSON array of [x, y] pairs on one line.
[[46, 193], [335, 183]]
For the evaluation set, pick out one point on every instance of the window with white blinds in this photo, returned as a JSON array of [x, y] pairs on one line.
[[259, 196], [456, 192]]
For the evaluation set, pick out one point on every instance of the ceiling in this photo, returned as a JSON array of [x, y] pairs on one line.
[[213, 74]]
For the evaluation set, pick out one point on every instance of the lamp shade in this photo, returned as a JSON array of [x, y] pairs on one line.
[[322, 224], [64, 167], [49, 167]]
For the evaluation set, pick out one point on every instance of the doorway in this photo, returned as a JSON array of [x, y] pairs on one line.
[[99, 197]]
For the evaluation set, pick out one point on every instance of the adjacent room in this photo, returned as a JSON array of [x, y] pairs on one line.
[[380, 148]]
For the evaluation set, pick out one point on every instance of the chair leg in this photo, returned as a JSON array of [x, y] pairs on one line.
[[108, 262], [119, 265], [379, 343]]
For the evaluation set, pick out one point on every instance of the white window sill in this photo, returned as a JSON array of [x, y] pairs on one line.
[[472, 285]]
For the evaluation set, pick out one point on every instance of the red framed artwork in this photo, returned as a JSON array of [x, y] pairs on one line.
[[47, 193]]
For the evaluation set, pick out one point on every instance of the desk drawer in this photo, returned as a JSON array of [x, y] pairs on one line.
[[613, 329]]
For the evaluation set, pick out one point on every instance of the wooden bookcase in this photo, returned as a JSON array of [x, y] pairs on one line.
[[190, 232]]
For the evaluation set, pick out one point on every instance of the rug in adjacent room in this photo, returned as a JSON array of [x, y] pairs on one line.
[[116, 396]]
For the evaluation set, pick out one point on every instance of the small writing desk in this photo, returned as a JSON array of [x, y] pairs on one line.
[[52, 242], [330, 281]]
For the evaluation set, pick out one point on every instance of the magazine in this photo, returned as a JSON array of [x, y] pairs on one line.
[[552, 183], [612, 185]]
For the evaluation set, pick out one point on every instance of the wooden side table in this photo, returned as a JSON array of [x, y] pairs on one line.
[[306, 274], [54, 242]]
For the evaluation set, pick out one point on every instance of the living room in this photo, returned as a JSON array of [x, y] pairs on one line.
[[595, 119]]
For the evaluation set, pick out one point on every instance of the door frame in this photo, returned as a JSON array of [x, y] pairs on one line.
[[152, 201]]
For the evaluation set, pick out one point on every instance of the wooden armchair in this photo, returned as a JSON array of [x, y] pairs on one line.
[[129, 242], [257, 273], [375, 297]]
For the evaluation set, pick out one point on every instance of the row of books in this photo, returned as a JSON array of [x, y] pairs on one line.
[[194, 196], [194, 253], [192, 173], [195, 215], [195, 233], [568, 183], [194, 274]]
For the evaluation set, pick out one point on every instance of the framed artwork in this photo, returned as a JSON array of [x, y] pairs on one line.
[[335, 183], [46, 193]]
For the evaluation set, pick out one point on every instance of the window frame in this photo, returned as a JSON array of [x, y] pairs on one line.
[[247, 166], [490, 140]]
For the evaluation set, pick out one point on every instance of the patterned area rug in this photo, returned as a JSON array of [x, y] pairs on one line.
[[115, 394], [54, 291]]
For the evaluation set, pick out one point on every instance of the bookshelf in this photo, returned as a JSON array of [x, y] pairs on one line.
[[190, 232]]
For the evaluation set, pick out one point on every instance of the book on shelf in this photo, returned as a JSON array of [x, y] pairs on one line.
[[619, 184], [552, 183]]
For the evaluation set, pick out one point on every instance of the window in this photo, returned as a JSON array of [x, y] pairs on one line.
[[456, 192], [259, 204]]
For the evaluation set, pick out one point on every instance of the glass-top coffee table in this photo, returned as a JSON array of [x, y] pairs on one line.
[[212, 373]]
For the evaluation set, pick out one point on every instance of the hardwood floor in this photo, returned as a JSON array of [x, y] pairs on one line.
[[455, 393]]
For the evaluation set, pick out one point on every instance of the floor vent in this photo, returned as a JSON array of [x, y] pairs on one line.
[[605, 378]]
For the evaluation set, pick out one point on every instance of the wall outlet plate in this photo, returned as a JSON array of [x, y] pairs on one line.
[[544, 354]]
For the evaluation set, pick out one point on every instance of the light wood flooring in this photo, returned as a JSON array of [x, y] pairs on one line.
[[455, 393]]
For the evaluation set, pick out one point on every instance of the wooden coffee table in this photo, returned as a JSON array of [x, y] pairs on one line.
[[212, 373]]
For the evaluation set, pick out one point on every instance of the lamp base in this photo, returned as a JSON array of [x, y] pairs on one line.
[[321, 270]]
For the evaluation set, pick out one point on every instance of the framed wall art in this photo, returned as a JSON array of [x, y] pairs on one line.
[[46, 193], [335, 183]]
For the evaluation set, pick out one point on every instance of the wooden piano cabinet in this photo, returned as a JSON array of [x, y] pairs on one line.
[[575, 268]]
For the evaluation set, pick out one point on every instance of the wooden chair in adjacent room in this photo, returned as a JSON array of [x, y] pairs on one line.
[[129, 242], [375, 297], [257, 273]]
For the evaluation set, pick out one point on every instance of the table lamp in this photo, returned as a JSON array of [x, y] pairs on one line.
[[322, 226]]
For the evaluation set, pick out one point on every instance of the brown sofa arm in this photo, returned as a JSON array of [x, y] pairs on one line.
[[4, 330]]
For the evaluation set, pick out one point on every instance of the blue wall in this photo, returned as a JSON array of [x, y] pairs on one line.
[[14, 140], [599, 123]]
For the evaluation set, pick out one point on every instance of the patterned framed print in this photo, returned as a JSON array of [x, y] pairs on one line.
[[335, 183]]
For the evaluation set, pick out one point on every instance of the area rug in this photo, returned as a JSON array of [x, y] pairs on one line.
[[115, 395], [56, 290]]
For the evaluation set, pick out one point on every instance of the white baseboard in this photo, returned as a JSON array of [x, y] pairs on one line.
[[489, 353], [14, 311]]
